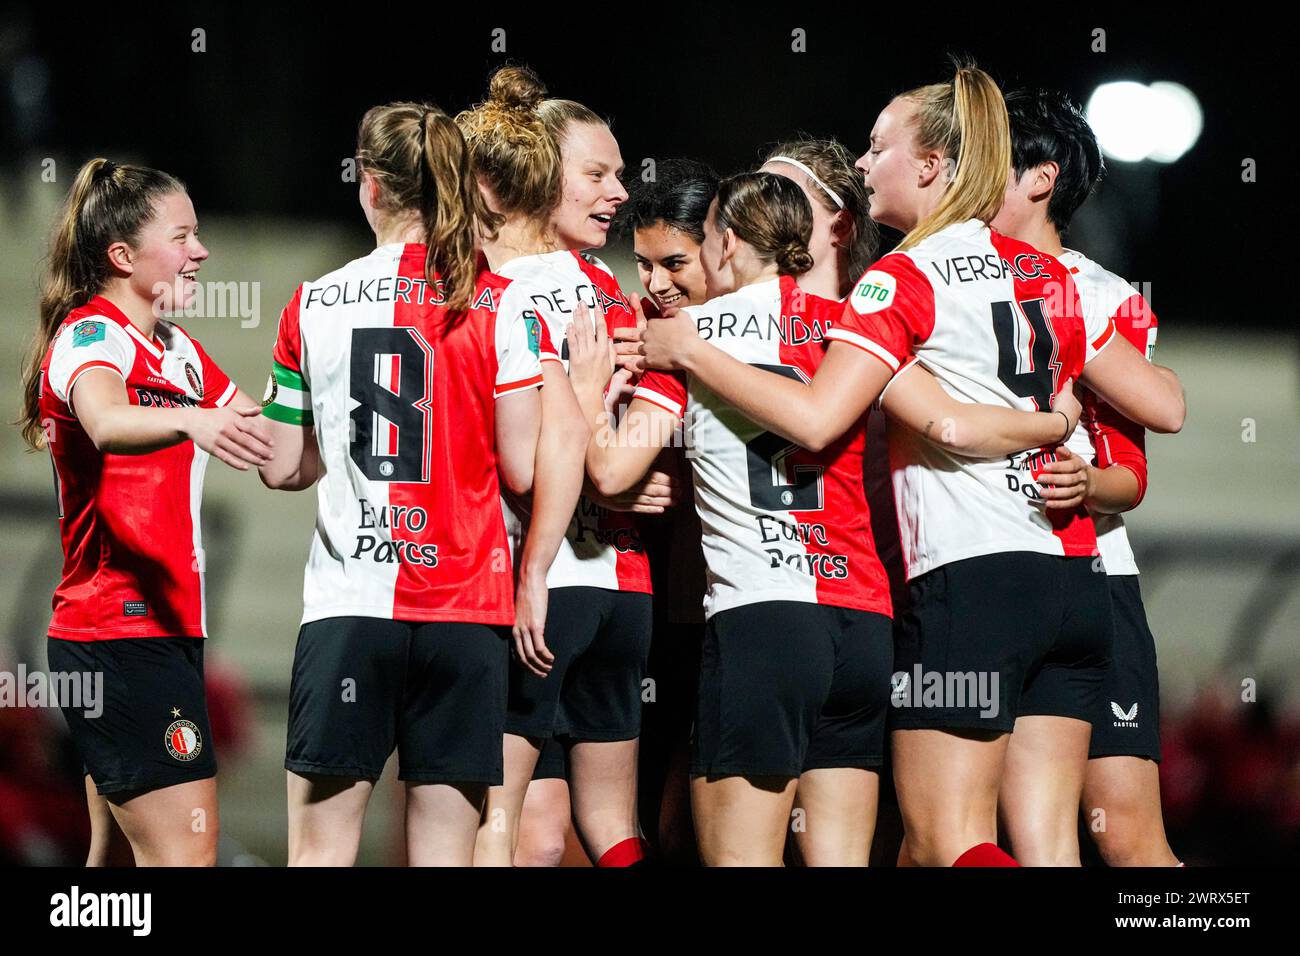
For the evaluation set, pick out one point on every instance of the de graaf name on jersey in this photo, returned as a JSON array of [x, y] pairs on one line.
[[383, 547], [622, 540], [789, 330], [773, 533], [592, 296], [1025, 266]]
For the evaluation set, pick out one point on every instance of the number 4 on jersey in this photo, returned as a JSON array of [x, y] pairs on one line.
[[1026, 350], [392, 370]]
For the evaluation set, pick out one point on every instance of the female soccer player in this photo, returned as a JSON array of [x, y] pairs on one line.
[[1055, 163], [403, 386], [797, 656], [131, 407], [1000, 591], [665, 217], [551, 168]]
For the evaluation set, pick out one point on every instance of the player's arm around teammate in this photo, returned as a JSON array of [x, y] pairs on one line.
[[128, 404], [1055, 164]]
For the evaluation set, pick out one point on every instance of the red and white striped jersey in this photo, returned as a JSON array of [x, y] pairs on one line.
[[401, 393], [781, 523], [601, 548], [132, 544], [1104, 436], [997, 322]]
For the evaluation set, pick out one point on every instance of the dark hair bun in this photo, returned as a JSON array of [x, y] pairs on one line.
[[794, 259], [516, 87]]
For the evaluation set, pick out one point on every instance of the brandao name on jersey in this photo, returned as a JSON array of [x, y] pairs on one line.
[[998, 322], [781, 523], [601, 548], [1105, 296]]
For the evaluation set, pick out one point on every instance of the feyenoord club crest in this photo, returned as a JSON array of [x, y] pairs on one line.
[[192, 377], [184, 742]]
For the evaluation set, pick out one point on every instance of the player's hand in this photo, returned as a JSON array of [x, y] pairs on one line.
[[1067, 482], [652, 495], [235, 435], [591, 354], [627, 340], [621, 389], [530, 624], [1067, 402], [665, 342]]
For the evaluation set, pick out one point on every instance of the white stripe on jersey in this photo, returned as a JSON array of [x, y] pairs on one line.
[[551, 285], [198, 467], [1101, 293]]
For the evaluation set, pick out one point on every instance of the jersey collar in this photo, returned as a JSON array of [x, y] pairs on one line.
[[107, 309]]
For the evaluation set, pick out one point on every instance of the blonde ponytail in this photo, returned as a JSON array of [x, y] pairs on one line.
[[966, 121]]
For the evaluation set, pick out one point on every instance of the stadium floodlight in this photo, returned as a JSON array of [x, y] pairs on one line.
[[1178, 120], [1134, 121]]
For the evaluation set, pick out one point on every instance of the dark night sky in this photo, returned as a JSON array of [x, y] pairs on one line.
[[260, 122]]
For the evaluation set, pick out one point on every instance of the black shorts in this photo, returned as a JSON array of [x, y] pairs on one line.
[[787, 686], [364, 685], [149, 727], [553, 761], [1126, 720], [600, 639], [1001, 636]]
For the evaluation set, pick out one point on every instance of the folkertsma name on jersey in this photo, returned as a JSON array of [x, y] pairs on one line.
[[74, 908], [77, 690], [387, 289]]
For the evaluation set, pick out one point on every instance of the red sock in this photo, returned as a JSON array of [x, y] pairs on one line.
[[625, 853], [985, 854]]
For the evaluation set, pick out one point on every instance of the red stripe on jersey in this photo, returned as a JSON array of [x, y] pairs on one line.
[[456, 565], [1045, 278], [1104, 338], [521, 385], [837, 537], [86, 367]]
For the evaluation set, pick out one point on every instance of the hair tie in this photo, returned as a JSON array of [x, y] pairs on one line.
[[811, 175], [106, 170]]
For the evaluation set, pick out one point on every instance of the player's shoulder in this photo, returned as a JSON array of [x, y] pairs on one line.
[[596, 269], [96, 321], [758, 295], [1094, 281]]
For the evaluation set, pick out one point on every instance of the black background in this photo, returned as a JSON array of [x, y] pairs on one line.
[[260, 123]]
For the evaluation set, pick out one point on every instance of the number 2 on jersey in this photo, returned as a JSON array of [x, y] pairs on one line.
[[1026, 350], [391, 372]]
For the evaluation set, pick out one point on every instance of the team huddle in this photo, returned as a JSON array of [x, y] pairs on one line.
[[829, 520]]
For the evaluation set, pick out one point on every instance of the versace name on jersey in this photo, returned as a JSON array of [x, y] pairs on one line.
[[992, 266], [791, 330]]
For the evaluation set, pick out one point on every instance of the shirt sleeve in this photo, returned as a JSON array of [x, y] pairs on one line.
[[288, 393], [92, 342], [1118, 440], [218, 390], [1099, 328], [665, 389], [889, 313], [522, 341]]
